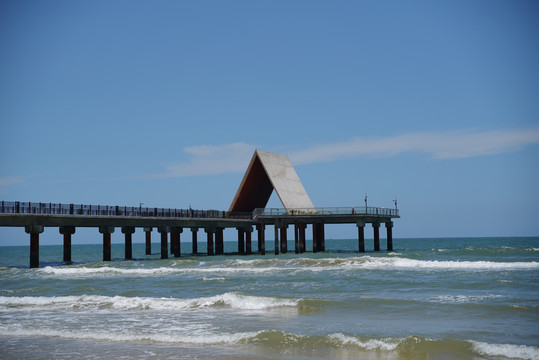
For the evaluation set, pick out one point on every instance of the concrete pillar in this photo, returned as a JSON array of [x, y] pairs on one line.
[[389, 228], [194, 231], [376, 228], [148, 231], [219, 246], [67, 231], [210, 232], [175, 240], [261, 238], [106, 231], [301, 237], [361, 236], [164, 230], [241, 244], [128, 231], [276, 238], [321, 237], [296, 237], [34, 231], [248, 247], [315, 237], [284, 238]]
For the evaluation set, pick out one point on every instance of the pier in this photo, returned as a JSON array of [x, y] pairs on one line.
[[266, 173]]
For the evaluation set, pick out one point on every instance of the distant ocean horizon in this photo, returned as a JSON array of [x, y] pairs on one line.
[[435, 298]]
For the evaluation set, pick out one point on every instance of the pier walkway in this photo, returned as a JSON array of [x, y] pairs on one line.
[[35, 217]]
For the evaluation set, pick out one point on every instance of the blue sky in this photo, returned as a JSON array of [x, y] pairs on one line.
[[163, 102]]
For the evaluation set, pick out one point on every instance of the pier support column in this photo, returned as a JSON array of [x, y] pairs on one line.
[[276, 237], [175, 240], [376, 229], [296, 237], [321, 237], [106, 231], [219, 246], [315, 237], [148, 231], [284, 238], [241, 241], [67, 231], [248, 247], [164, 230], [361, 236], [194, 232], [128, 231], [261, 238], [389, 228], [301, 237], [34, 231], [210, 232]]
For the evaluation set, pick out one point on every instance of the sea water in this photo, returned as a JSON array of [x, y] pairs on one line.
[[469, 298]]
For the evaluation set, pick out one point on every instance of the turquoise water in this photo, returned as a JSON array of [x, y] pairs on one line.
[[470, 298]]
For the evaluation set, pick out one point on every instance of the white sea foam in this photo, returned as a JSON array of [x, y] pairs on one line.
[[389, 344], [462, 299], [227, 300], [267, 266], [206, 338], [507, 350]]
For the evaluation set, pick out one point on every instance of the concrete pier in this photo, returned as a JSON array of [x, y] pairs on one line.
[[209, 247], [106, 231], [248, 248], [241, 241], [34, 231], [261, 238], [148, 232], [284, 238], [128, 232], [389, 227], [175, 241], [107, 220], [67, 231], [194, 231], [376, 230], [276, 229], [164, 230], [301, 237], [219, 246], [361, 236]]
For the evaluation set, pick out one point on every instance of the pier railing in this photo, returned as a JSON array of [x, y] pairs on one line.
[[17, 207], [360, 210]]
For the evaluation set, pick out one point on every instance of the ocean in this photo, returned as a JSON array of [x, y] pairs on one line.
[[443, 298]]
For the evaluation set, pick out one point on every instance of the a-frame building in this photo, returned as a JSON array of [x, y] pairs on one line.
[[267, 172]]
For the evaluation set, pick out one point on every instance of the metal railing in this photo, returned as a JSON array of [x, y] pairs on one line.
[[360, 210], [17, 207]]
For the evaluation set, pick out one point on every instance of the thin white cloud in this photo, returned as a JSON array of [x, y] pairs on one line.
[[442, 145], [212, 160], [10, 180], [234, 158]]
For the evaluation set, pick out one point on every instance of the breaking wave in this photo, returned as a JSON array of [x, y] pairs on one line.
[[234, 301]]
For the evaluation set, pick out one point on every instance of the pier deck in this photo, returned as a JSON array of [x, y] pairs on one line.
[[35, 217]]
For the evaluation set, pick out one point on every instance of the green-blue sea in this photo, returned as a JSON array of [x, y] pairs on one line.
[[443, 298]]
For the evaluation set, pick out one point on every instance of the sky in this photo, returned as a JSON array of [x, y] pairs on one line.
[[432, 103]]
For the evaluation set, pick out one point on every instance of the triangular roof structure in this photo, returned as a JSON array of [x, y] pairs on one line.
[[268, 171]]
